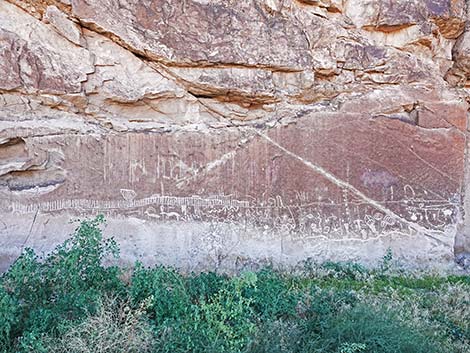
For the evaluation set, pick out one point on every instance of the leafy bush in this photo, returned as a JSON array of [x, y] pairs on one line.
[[375, 331], [63, 286], [166, 290], [221, 322], [8, 317], [61, 303], [113, 328], [272, 298]]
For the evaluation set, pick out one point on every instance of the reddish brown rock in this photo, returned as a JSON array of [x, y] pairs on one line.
[[63, 25], [443, 115], [389, 16], [460, 72], [10, 47], [356, 181], [201, 33], [38, 59], [449, 16]]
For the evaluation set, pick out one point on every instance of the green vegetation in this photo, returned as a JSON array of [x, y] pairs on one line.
[[69, 301]]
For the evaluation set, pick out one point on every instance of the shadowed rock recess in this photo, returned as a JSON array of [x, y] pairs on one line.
[[233, 133]]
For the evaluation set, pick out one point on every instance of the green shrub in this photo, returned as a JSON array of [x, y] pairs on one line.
[[165, 289], [271, 297], [276, 336], [8, 318], [113, 328], [63, 286], [222, 322], [203, 286], [337, 322], [60, 303], [376, 331], [345, 270]]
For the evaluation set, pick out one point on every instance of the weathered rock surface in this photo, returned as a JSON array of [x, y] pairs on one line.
[[231, 133]]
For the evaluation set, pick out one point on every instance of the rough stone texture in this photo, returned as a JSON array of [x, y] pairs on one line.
[[63, 25], [224, 134]]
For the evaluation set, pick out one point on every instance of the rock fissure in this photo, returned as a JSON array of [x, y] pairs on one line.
[[342, 184]]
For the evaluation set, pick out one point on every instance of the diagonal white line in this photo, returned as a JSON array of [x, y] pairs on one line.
[[341, 183]]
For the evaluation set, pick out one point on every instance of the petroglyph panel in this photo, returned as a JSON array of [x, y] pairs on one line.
[[326, 178]]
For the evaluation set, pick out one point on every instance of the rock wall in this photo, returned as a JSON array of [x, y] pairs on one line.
[[231, 133]]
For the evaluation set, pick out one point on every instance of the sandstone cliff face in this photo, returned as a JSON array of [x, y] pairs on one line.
[[221, 133]]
